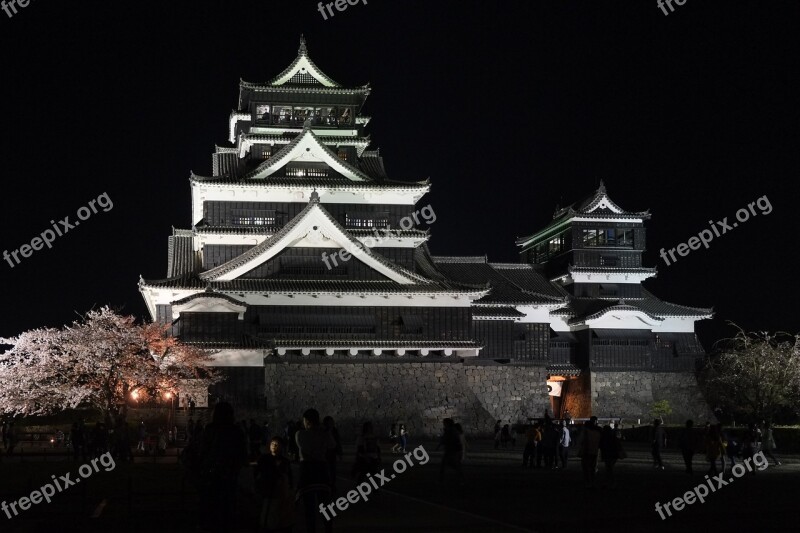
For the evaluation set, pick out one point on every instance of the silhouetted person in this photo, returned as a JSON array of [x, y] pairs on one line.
[[588, 451], [223, 453], [273, 481], [658, 440], [565, 439], [750, 444], [688, 445], [333, 454], [549, 445], [611, 452], [768, 441], [11, 434], [453, 450], [313, 444], [529, 453], [78, 440]]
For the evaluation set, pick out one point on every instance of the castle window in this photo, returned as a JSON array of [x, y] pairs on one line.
[[254, 217], [556, 244], [262, 112], [625, 237], [282, 114], [367, 220]]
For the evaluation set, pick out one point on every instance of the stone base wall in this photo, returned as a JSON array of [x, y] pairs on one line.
[[630, 395], [419, 395]]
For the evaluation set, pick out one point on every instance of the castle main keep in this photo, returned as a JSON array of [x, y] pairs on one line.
[[306, 272]]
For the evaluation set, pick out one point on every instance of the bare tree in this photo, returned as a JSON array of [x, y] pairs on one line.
[[755, 375], [99, 361]]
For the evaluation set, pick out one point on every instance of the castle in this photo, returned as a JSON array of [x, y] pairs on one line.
[[307, 274]]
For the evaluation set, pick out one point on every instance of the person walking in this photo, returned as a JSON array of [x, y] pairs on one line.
[[688, 445], [768, 440], [497, 427], [611, 451], [11, 434], [453, 451], [658, 443], [505, 436], [222, 454], [588, 451], [529, 453], [750, 444], [335, 453], [368, 453], [142, 436], [273, 481], [394, 439], [714, 448], [314, 445], [565, 439], [403, 438], [550, 439]]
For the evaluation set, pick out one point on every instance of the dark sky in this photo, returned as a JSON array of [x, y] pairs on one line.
[[510, 107]]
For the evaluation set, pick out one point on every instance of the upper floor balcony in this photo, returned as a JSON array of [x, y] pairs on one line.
[[296, 116]]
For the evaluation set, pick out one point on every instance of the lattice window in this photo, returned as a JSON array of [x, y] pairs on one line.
[[304, 79]]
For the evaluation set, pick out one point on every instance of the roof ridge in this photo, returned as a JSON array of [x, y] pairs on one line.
[[459, 259]]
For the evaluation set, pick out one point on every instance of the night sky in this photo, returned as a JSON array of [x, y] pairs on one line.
[[509, 107]]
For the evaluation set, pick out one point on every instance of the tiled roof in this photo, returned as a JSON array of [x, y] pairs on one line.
[[342, 182], [495, 312], [596, 205], [374, 343], [371, 163], [611, 269], [529, 278], [652, 304], [225, 164], [269, 230], [208, 293], [302, 52], [243, 285], [277, 159], [181, 257], [510, 284], [272, 241], [563, 369], [583, 309]]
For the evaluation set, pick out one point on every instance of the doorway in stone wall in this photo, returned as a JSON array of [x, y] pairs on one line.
[[569, 396]]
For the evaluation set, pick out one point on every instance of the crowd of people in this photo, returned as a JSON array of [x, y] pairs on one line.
[[216, 455], [717, 445]]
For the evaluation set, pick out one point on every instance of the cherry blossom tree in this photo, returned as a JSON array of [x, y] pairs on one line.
[[755, 375], [100, 361]]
